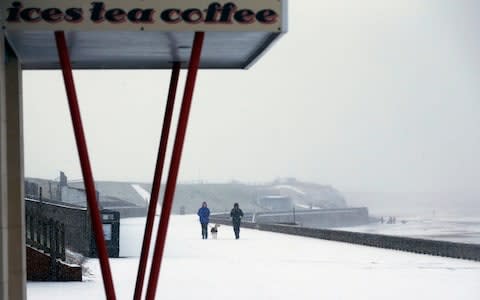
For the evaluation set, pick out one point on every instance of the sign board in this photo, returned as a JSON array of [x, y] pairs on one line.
[[145, 15], [107, 232]]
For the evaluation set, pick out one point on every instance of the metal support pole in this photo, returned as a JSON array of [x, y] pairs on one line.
[[85, 163], [294, 214], [157, 180], [175, 164]]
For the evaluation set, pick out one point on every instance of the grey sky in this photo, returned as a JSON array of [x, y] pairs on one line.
[[364, 95]]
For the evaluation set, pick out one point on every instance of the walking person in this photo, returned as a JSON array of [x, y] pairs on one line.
[[204, 214], [237, 215]]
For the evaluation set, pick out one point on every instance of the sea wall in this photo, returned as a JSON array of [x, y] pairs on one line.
[[431, 247]]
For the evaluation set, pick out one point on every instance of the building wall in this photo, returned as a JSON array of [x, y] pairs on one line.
[[3, 179], [12, 236], [77, 223], [73, 196], [275, 202], [39, 268]]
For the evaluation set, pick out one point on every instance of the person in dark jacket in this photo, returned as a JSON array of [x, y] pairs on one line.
[[204, 214], [237, 215]]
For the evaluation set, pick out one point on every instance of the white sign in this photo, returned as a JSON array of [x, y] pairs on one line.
[[148, 15], [107, 232]]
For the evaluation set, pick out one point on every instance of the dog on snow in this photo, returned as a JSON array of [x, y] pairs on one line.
[[214, 231]]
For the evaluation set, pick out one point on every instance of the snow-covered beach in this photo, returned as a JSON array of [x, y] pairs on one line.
[[453, 229], [264, 265]]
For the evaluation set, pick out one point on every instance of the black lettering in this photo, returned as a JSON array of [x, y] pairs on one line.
[[13, 12], [115, 15], [98, 9], [31, 14], [192, 16], [267, 16], [171, 15], [212, 12], [74, 15], [138, 15], [244, 16], [227, 12], [52, 15]]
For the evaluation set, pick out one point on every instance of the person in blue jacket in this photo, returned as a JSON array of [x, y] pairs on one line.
[[204, 214]]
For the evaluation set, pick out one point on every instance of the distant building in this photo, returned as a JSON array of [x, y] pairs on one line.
[[275, 202]]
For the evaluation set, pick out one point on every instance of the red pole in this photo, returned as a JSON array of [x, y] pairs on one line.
[[157, 180], [85, 163], [174, 164]]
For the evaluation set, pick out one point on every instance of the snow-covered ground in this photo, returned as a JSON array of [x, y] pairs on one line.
[[263, 265], [453, 229]]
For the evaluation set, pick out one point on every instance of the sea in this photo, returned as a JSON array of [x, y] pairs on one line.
[[459, 229]]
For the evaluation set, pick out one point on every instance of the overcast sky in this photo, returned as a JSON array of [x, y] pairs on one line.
[[369, 95]]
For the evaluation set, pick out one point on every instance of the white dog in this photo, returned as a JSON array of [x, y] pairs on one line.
[[214, 231]]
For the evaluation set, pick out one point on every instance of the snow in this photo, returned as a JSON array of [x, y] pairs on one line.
[[290, 187], [264, 265], [307, 206], [142, 192], [146, 195]]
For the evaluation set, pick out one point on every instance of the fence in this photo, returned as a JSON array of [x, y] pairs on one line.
[[47, 235], [76, 233], [75, 220]]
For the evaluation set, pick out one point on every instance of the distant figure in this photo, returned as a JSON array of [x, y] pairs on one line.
[[214, 231], [237, 215], [204, 214], [381, 220]]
